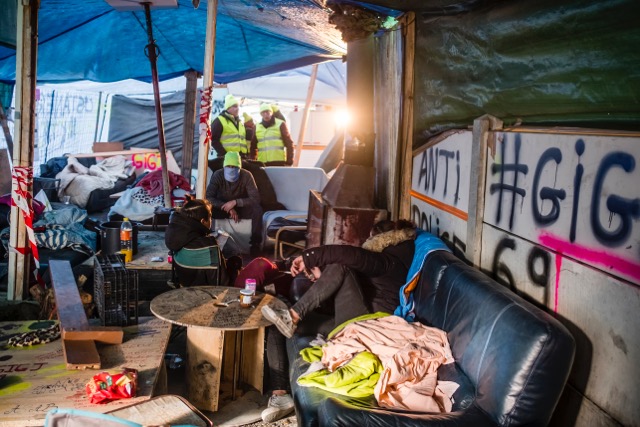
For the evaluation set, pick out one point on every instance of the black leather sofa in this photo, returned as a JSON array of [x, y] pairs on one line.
[[512, 359]]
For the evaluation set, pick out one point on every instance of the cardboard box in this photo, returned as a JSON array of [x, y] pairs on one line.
[[101, 147]]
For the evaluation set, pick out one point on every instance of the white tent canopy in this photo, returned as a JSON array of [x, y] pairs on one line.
[[287, 86]]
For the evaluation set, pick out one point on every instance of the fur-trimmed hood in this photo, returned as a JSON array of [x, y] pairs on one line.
[[380, 242]]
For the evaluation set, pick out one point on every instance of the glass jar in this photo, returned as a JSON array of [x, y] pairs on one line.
[[246, 298]]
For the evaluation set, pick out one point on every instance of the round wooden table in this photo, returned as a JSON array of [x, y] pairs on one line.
[[224, 340]]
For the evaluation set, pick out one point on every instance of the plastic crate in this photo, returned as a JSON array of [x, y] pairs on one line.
[[115, 291]]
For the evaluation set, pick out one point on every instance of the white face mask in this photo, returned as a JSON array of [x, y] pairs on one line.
[[231, 174]]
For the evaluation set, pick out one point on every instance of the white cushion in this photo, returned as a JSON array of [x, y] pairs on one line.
[[292, 185], [240, 232]]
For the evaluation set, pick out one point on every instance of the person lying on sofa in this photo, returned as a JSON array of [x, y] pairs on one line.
[[359, 280]]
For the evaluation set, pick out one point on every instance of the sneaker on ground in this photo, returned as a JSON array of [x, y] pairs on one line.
[[280, 318], [278, 407]]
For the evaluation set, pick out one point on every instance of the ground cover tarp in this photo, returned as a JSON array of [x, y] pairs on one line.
[[89, 40]]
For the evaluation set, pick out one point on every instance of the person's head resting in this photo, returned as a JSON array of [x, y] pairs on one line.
[[266, 111], [232, 165], [231, 105], [198, 209], [387, 225]]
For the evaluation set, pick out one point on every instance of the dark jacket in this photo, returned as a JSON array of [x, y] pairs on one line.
[[244, 191], [382, 263], [216, 132], [186, 232]]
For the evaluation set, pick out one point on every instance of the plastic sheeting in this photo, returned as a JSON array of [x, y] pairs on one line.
[[133, 121], [8, 23], [89, 40], [571, 63]]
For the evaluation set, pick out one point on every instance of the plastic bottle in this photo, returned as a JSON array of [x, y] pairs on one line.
[[126, 240]]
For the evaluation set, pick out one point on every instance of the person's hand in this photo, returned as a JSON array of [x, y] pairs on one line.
[[227, 207], [316, 273], [234, 215], [297, 266]]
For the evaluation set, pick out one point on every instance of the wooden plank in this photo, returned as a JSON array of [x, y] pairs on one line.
[[305, 115], [78, 337], [115, 153], [207, 82], [81, 354], [77, 354], [103, 334], [36, 379], [70, 310], [204, 354], [402, 208], [150, 244], [253, 358], [189, 122], [228, 355], [5, 129], [477, 181], [24, 131]]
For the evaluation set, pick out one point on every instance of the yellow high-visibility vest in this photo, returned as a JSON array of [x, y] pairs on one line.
[[232, 138], [270, 144]]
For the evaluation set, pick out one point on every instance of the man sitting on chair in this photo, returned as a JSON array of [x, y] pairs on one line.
[[233, 193]]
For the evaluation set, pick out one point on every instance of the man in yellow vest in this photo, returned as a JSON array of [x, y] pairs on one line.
[[227, 131], [272, 144]]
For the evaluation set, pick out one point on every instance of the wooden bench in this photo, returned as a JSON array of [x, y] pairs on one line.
[[78, 338]]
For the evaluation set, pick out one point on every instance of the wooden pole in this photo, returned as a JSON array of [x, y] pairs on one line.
[[207, 84], [4, 122], [25, 124], [405, 147], [153, 59], [189, 123], [305, 115]]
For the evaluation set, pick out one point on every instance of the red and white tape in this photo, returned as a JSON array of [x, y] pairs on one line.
[[204, 127], [22, 178]]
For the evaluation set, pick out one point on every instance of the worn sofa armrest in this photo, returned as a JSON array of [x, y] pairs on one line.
[[333, 412]]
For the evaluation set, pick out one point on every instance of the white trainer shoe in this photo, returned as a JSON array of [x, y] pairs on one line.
[[280, 318], [278, 407]]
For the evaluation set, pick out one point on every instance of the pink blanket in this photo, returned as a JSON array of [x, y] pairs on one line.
[[411, 354]]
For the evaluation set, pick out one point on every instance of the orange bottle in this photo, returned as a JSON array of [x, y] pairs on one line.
[[126, 240]]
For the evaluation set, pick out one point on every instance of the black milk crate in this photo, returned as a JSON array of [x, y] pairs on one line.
[[115, 291]]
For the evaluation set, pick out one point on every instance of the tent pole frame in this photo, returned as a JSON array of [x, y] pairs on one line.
[[207, 82], [25, 124], [151, 49], [188, 127], [4, 122], [305, 115]]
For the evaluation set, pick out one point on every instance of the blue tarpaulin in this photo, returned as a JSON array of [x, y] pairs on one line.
[[90, 40]]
